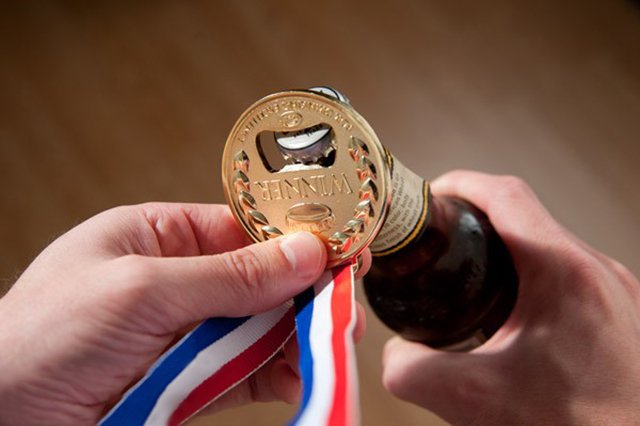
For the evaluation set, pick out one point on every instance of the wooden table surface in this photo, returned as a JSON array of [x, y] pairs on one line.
[[110, 102]]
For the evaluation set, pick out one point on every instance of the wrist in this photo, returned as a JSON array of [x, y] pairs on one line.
[[11, 367], [24, 380]]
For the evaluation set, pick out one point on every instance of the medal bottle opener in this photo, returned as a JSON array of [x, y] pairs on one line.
[[339, 190]]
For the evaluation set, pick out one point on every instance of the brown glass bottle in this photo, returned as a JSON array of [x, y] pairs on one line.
[[454, 284]]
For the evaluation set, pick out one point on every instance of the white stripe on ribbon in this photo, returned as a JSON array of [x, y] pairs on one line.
[[326, 322], [211, 359], [353, 390], [321, 330]]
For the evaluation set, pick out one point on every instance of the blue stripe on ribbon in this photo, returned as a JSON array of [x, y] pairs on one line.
[[304, 312], [138, 403]]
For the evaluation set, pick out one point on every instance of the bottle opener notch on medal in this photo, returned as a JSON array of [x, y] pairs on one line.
[[338, 188]]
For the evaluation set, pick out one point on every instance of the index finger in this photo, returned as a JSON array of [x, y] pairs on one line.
[[526, 227], [184, 229], [508, 201]]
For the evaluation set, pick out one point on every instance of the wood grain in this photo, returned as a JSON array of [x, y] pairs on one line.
[[111, 102]]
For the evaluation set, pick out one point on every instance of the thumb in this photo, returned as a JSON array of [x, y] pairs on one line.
[[452, 385], [246, 281]]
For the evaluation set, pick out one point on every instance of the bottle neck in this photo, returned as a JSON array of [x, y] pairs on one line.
[[408, 213]]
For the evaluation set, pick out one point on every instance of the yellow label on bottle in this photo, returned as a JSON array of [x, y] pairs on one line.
[[407, 213]]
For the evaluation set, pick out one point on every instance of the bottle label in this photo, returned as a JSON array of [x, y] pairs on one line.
[[407, 213]]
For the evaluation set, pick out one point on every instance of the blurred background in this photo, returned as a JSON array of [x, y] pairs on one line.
[[106, 103]]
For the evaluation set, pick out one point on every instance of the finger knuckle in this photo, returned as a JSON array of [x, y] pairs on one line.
[[129, 283], [584, 279], [512, 187], [623, 272], [469, 390], [254, 388], [402, 379], [153, 211], [394, 379], [115, 213], [151, 207], [579, 265], [458, 174], [246, 268], [394, 372]]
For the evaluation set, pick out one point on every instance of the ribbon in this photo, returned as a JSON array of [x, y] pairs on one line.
[[221, 352], [327, 354]]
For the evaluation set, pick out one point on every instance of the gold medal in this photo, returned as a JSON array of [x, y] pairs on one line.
[[307, 161]]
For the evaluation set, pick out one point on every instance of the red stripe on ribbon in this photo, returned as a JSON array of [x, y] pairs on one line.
[[341, 310], [235, 370]]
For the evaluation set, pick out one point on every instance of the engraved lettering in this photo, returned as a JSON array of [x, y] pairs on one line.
[[275, 189], [264, 188], [308, 185], [311, 227], [301, 188], [323, 188], [280, 192], [257, 118], [292, 105], [342, 121], [340, 185], [295, 187]]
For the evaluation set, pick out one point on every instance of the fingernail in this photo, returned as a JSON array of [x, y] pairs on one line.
[[304, 252]]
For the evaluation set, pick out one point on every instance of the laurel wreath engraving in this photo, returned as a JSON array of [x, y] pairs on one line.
[[351, 233], [242, 187], [341, 241]]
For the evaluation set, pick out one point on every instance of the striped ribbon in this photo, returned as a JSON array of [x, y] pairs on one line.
[[221, 352], [327, 353]]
